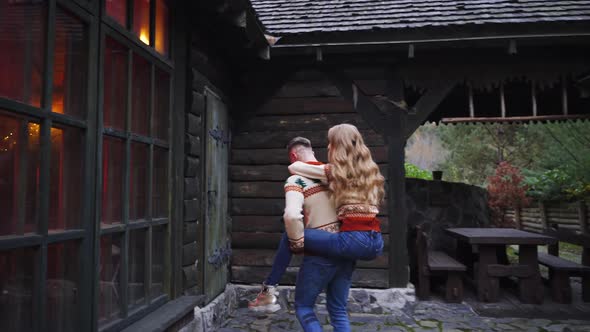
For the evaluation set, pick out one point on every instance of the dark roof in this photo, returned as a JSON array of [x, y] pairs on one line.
[[285, 17]]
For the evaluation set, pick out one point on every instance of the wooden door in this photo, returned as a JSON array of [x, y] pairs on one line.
[[217, 221]]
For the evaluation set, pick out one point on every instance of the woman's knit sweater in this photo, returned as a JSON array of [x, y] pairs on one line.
[[355, 215]]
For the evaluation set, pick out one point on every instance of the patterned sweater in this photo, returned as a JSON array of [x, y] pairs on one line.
[[355, 214], [307, 205]]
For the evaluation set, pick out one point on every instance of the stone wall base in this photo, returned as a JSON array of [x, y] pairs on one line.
[[360, 300]]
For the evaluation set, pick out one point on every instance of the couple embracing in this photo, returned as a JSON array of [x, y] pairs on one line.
[[330, 217]]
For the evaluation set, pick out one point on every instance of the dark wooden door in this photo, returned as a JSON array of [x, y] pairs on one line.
[[217, 221]]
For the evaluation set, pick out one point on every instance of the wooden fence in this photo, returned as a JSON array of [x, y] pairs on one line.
[[549, 216]]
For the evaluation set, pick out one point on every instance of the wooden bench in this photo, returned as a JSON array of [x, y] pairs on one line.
[[560, 271], [437, 263]]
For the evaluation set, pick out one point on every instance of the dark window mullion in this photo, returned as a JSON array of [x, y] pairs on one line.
[[124, 274], [126, 173], [98, 136], [148, 244], [67, 235], [23, 165], [44, 178], [129, 14], [39, 288], [19, 108], [148, 266], [153, 24], [44, 173], [89, 267], [68, 121], [49, 52]]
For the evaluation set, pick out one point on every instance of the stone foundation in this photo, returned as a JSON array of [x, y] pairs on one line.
[[373, 301]]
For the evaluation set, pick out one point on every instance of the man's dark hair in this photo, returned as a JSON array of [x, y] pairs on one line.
[[298, 141]]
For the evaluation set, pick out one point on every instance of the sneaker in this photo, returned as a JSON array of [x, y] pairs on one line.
[[266, 300]]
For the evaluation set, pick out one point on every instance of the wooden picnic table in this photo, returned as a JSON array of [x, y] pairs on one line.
[[490, 243]]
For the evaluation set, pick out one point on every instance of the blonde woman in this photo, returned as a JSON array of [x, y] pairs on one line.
[[357, 189]]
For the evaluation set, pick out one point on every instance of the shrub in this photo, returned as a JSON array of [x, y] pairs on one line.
[[413, 171], [506, 191]]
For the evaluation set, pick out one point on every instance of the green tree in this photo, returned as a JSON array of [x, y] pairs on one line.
[[476, 150]]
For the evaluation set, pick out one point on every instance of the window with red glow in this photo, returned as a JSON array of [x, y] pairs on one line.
[[70, 69], [141, 85], [63, 277], [162, 42], [65, 199], [17, 275], [117, 9], [141, 20], [113, 165], [162, 105], [115, 84], [19, 173], [138, 181], [109, 271], [22, 61]]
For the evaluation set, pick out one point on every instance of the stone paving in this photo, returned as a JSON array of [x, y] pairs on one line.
[[430, 316], [424, 316]]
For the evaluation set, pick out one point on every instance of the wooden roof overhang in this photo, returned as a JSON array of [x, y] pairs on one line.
[[234, 25], [527, 72]]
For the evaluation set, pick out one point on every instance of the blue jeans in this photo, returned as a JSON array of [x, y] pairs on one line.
[[365, 245], [316, 274], [281, 262]]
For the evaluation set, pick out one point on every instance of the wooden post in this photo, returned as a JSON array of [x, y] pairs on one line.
[[552, 249], [398, 255], [517, 219], [582, 217], [399, 273], [543, 215]]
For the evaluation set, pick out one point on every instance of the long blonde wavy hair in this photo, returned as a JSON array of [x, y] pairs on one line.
[[355, 176]]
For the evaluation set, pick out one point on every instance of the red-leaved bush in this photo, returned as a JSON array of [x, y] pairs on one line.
[[506, 191]]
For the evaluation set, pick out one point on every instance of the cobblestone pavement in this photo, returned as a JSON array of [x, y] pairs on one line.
[[421, 316]]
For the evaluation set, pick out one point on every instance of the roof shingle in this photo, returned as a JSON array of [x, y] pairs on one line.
[[286, 17]]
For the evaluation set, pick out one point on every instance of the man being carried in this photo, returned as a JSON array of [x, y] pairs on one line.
[[308, 205]]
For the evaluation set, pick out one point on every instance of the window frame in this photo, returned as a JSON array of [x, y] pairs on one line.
[[89, 231], [42, 238], [123, 229], [127, 31]]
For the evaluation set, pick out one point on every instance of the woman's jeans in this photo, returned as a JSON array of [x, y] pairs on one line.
[[316, 274], [363, 245]]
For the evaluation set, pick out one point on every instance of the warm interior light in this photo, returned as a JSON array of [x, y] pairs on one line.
[[143, 36]]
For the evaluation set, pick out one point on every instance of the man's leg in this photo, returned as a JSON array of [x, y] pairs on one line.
[[280, 263], [314, 275], [337, 296], [365, 245], [266, 300]]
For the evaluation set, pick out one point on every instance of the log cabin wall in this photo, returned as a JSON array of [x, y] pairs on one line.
[[307, 105], [206, 71]]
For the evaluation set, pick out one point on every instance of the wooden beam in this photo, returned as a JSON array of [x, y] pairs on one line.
[[427, 104], [517, 118], [365, 106]]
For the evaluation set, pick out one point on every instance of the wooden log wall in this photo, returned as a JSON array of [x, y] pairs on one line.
[[258, 169], [192, 241]]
